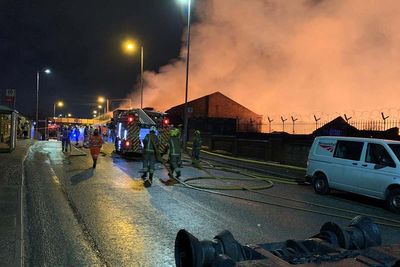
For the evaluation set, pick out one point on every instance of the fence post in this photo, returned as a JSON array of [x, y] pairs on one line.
[[293, 121], [270, 121], [283, 123]]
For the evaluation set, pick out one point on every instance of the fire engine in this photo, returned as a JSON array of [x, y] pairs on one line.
[[133, 125]]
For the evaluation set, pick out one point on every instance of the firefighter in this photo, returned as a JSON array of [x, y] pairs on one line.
[[85, 136], [196, 148], [174, 147], [150, 155], [76, 135], [65, 139], [95, 143], [111, 127]]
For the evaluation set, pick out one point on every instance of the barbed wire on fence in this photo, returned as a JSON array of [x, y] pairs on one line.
[[302, 127], [375, 114]]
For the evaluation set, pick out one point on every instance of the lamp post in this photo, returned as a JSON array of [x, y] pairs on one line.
[[130, 47], [47, 71], [59, 104], [186, 119]]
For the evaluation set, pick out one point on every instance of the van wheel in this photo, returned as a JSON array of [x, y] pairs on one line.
[[393, 201], [320, 184]]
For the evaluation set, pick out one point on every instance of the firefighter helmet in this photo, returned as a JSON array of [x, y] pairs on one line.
[[174, 132]]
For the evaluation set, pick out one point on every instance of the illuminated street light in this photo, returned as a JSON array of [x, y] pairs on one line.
[[47, 71], [101, 100], [69, 115], [94, 115], [100, 106], [59, 104], [94, 111], [130, 47]]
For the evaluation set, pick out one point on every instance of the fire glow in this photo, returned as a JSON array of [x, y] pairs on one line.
[[283, 56]]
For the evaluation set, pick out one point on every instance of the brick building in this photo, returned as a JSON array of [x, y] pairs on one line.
[[217, 110]]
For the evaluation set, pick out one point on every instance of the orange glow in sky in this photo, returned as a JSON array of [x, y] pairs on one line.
[[290, 57]]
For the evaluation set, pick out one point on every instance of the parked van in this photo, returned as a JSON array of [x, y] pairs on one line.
[[364, 166]]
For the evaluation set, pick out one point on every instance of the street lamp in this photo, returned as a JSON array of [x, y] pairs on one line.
[[69, 115], [47, 71], [130, 47], [185, 129], [94, 111], [101, 100], [59, 104], [107, 107]]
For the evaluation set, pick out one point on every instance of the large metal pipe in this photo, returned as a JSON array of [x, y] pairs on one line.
[[225, 251]]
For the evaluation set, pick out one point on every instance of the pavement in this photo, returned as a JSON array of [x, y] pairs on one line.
[[11, 209]]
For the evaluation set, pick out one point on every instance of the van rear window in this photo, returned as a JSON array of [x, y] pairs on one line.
[[348, 150]]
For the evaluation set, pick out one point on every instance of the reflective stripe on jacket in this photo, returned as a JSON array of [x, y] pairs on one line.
[[150, 143], [174, 146]]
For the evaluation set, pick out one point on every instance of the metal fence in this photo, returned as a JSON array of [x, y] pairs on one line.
[[301, 127]]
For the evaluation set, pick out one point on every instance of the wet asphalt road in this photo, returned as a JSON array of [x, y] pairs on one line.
[[77, 216]]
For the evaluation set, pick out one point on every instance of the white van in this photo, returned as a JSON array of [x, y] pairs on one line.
[[365, 166]]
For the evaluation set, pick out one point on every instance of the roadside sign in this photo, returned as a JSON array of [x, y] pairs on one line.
[[10, 92], [9, 97]]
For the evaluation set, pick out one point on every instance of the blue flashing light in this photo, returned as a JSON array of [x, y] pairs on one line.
[[119, 129]]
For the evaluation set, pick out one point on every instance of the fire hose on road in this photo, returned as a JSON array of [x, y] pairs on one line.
[[268, 180]]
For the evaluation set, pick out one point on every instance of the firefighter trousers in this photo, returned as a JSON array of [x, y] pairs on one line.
[[149, 160], [174, 163]]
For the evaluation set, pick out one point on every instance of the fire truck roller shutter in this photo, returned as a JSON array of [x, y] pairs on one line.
[[133, 136], [163, 137]]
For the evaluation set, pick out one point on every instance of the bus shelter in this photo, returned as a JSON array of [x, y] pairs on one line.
[[8, 129]]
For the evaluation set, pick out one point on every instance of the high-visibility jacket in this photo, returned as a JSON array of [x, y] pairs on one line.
[[95, 143], [174, 146], [196, 142], [150, 143]]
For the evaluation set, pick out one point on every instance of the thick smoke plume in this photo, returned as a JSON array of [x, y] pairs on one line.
[[283, 57]]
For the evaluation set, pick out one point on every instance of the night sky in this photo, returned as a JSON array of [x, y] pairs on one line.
[[81, 42]]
